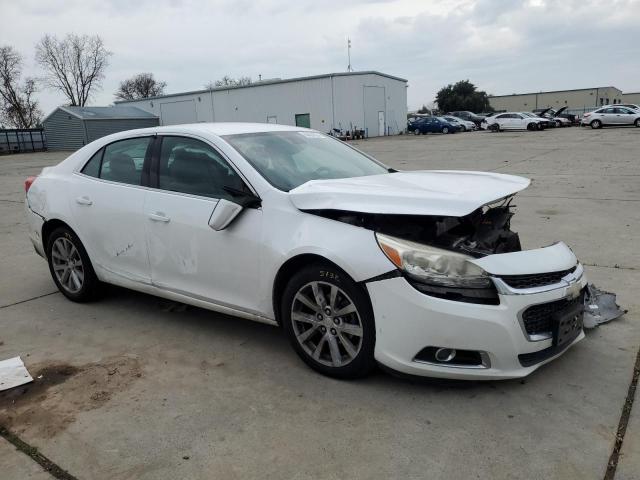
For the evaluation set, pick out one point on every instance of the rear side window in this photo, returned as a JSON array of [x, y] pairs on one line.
[[191, 166], [122, 161], [92, 167]]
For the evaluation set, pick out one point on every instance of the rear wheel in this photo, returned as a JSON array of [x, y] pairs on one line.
[[596, 124], [637, 122], [70, 266], [329, 321]]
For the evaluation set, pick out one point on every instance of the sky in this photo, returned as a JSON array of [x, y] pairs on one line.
[[502, 46]]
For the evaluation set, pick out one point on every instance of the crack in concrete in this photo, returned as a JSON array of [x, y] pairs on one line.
[[624, 421], [32, 452], [29, 299], [617, 267]]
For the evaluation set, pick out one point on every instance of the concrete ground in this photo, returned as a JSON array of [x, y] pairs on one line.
[[135, 387]]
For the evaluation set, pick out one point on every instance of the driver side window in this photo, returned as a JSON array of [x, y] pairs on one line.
[[191, 166]]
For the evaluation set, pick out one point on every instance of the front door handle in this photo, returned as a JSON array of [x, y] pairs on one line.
[[159, 217], [84, 200]]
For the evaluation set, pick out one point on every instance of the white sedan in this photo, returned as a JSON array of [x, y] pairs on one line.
[[358, 263], [512, 121], [465, 125], [611, 116]]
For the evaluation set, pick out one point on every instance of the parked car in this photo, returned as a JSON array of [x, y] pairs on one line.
[[433, 125], [513, 121], [463, 125], [544, 121], [469, 116], [357, 263], [632, 106], [560, 119], [611, 116]]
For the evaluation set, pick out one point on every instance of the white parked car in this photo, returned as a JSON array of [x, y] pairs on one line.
[[513, 121], [611, 116], [358, 263], [465, 125]]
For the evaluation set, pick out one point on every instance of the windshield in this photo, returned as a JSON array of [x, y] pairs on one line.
[[289, 159]]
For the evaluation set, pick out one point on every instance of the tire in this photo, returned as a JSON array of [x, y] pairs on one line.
[[463, 128], [445, 130], [494, 127], [76, 280], [637, 122], [532, 126], [596, 124], [416, 132], [336, 346]]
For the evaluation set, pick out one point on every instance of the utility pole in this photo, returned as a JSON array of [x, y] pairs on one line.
[[349, 69]]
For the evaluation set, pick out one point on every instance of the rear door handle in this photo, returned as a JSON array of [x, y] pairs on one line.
[[84, 201], [159, 217]]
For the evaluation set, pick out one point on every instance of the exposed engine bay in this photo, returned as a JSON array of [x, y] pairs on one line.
[[485, 231]]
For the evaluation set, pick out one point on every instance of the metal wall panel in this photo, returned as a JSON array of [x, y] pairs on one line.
[[330, 101], [64, 131], [101, 128]]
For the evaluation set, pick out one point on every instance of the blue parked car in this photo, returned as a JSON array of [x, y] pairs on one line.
[[432, 125]]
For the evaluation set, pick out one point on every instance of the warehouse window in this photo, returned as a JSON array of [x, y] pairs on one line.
[[303, 120]]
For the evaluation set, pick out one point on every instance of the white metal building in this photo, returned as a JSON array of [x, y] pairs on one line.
[[370, 101]]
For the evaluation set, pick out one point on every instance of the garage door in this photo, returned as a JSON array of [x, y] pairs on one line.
[[174, 113]]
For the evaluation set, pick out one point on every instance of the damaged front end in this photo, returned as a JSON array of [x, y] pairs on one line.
[[485, 231], [433, 252]]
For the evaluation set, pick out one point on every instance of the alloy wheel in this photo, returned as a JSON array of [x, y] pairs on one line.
[[67, 265], [326, 324]]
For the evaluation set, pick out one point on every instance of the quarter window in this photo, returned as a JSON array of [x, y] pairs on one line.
[[191, 166], [92, 167]]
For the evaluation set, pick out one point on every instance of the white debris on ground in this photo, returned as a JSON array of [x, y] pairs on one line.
[[13, 373], [600, 307]]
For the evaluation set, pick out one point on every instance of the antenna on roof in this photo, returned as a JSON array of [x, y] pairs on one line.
[[349, 69]]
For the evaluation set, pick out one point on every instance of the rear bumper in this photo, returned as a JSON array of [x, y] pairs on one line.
[[407, 321]]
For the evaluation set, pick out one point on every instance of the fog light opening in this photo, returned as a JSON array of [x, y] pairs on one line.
[[445, 355]]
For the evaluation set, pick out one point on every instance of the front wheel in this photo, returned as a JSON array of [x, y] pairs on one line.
[[532, 126], [70, 266], [416, 132], [463, 128], [445, 130], [596, 124], [329, 321], [637, 122]]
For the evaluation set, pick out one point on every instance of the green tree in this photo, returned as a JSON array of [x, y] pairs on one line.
[[463, 95]]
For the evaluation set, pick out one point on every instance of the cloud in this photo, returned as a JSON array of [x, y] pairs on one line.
[[501, 46]]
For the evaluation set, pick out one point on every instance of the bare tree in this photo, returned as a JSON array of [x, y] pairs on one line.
[[142, 85], [74, 65], [228, 81], [18, 108]]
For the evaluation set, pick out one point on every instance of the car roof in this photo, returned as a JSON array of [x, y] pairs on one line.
[[227, 128]]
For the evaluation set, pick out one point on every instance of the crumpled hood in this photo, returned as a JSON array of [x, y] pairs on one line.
[[427, 192]]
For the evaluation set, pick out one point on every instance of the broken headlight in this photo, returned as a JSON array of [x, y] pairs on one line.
[[434, 266]]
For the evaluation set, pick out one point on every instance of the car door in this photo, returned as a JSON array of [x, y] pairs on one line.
[[608, 116], [504, 121], [186, 255], [624, 116], [107, 205]]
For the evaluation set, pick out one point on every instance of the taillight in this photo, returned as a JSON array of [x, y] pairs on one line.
[[28, 182]]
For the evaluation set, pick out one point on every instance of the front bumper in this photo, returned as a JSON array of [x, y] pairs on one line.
[[407, 321]]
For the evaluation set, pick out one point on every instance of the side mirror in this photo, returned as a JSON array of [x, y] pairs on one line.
[[223, 214]]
